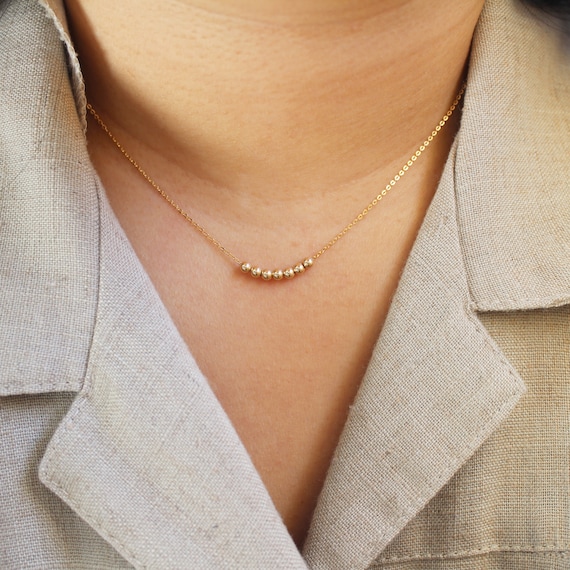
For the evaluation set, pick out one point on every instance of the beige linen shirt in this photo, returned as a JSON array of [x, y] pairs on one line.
[[114, 452]]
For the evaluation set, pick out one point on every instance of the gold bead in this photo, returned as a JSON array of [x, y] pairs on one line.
[[266, 274], [277, 274], [299, 268], [308, 262], [255, 272], [246, 267], [289, 273]]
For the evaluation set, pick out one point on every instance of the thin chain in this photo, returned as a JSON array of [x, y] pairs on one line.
[[396, 178], [143, 173], [308, 262]]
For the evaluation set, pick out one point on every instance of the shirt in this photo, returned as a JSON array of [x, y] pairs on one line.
[[116, 454]]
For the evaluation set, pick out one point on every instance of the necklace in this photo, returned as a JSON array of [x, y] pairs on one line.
[[299, 268]]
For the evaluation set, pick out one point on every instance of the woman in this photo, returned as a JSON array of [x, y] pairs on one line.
[[163, 409]]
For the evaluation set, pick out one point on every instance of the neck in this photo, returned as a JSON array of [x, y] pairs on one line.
[[272, 97]]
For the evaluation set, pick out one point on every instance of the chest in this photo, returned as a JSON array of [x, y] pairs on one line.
[[285, 359]]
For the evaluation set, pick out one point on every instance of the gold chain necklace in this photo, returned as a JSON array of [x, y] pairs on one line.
[[299, 268]]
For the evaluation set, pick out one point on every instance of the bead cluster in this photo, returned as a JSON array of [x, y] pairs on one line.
[[277, 274]]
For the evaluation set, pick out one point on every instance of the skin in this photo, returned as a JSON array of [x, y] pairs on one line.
[[273, 123]]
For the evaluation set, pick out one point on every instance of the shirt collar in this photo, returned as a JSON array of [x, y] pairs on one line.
[[512, 172], [55, 10]]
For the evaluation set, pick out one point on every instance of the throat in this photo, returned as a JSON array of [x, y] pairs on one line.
[[258, 106]]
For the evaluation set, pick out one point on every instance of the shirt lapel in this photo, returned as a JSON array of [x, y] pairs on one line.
[[146, 454], [437, 386]]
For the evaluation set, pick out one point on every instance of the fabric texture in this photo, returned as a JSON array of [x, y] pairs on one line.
[[36, 527], [512, 497], [49, 265], [115, 453]]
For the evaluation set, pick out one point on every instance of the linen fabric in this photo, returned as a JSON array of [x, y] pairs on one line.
[[114, 452]]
